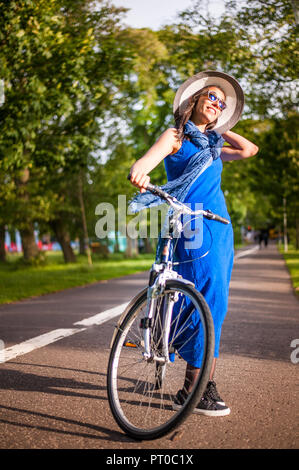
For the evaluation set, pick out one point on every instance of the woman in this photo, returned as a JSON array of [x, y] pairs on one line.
[[205, 106]]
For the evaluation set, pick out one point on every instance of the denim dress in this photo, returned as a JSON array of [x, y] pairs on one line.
[[209, 252]]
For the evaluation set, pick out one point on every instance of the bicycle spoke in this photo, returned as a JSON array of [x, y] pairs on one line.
[[142, 388]]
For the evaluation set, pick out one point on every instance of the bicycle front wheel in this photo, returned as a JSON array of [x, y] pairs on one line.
[[141, 391]]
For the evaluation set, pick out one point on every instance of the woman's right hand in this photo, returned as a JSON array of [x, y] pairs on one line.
[[139, 179]]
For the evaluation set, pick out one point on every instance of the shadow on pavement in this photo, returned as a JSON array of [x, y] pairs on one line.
[[111, 435]]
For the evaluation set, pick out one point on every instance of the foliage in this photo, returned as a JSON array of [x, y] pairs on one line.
[[85, 95], [62, 65], [276, 176]]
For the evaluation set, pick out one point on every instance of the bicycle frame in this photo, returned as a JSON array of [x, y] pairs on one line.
[[162, 270]]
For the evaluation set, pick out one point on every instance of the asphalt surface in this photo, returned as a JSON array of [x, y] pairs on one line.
[[55, 396]]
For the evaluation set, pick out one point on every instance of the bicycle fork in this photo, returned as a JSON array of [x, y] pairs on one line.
[[150, 322], [156, 299]]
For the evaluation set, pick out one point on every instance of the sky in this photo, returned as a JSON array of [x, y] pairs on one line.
[[154, 13]]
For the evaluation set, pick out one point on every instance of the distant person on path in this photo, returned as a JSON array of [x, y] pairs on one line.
[[206, 106], [263, 237]]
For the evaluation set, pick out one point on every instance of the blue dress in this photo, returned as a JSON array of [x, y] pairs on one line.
[[210, 273]]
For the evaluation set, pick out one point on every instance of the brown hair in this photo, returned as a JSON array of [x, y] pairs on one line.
[[181, 119]]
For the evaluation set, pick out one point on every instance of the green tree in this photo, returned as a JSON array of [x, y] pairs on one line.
[[276, 174], [269, 32], [61, 64]]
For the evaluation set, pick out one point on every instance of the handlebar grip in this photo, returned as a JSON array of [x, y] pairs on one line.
[[154, 189], [150, 186], [222, 219], [157, 191], [217, 217]]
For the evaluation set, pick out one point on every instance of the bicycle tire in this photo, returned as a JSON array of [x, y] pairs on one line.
[[152, 416]]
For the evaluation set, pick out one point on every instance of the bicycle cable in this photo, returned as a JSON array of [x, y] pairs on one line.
[[199, 257]]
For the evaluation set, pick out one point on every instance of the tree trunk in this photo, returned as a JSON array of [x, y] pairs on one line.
[[285, 225], [84, 224], [296, 10], [116, 246], [148, 246], [82, 250], [129, 248], [64, 240], [132, 247], [2, 243], [30, 249]]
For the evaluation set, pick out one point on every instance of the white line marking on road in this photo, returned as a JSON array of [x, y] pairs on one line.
[[246, 252], [102, 317], [37, 342], [1, 351], [55, 335]]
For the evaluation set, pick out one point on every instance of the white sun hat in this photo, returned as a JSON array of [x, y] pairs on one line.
[[231, 88]]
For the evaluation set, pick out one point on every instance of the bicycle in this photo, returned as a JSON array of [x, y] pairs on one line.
[[145, 368]]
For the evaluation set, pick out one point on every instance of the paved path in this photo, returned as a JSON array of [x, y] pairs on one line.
[[55, 396]]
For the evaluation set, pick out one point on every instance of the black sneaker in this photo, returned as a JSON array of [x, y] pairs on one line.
[[206, 406], [212, 393], [179, 399]]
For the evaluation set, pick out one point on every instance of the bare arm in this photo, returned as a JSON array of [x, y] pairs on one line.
[[165, 145], [238, 147]]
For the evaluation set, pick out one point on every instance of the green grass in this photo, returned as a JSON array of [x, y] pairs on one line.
[[18, 282], [292, 261]]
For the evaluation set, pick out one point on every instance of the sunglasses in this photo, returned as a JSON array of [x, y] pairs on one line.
[[213, 98]]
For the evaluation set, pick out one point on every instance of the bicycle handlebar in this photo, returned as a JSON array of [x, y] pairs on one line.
[[212, 216], [167, 197], [158, 191]]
